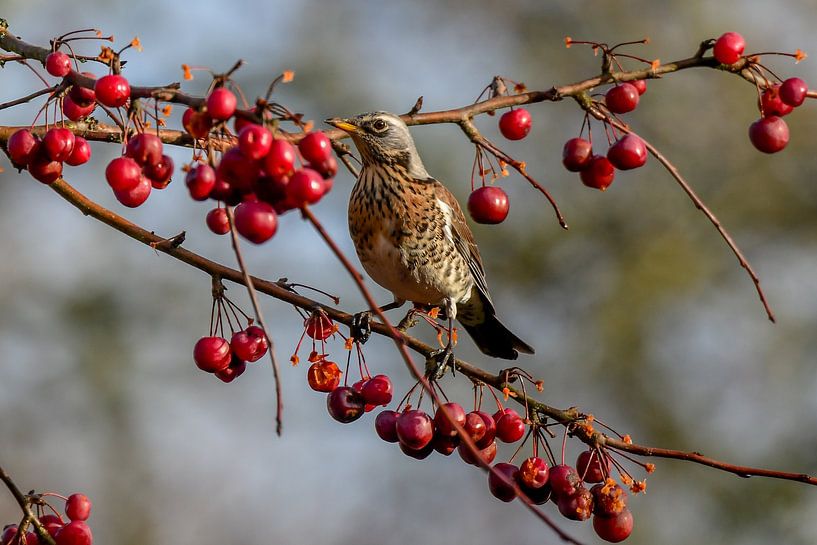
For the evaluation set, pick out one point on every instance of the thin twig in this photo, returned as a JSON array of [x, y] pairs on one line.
[[25, 506]]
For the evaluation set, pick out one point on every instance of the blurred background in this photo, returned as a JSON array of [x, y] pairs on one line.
[[639, 313]]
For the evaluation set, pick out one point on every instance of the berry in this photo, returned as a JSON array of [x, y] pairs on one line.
[[769, 134], [81, 153], [419, 454], [135, 196], [112, 91], [305, 187], [445, 445], [160, 172], [474, 426], [576, 154], [280, 161], [315, 147], [589, 467], [82, 96], [74, 111], [533, 473], [490, 430], [221, 103], [78, 507], [327, 169], [233, 371], [640, 85], [614, 529], [386, 426], [21, 146], [53, 524], [608, 499], [42, 167], [415, 429], [487, 454], [260, 336], [538, 496], [246, 346], [771, 103], [599, 173], [74, 533], [217, 221], [9, 531], [123, 174], [344, 404], [240, 172], [515, 124], [324, 376], [498, 487], [358, 387], [377, 390], [563, 480], [457, 413], [58, 64], [489, 205], [197, 124], [255, 221], [200, 181], [59, 143], [793, 91], [577, 506], [212, 354], [319, 326], [622, 98], [628, 153], [145, 148], [254, 141], [729, 48], [510, 428]]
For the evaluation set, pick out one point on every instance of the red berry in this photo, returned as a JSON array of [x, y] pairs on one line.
[[221, 103], [445, 445], [82, 96], [254, 141], [589, 467], [261, 336], [305, 187], [256, 221], [538, 496], [247, 346], [608, 499], [323, 376], [123, 174], [533, 473], [510, 428], [577, 506], [240, 172], [419, 454], [502, 490], [358, 387], [78, 507], [233, 371], [515, 124], [145, 148], [53, 524], [59, 143], [280, 161], [488, 204], [563, 480], [599, 173], [490, 430], [614, 529], [74, 111], [415, 429], [58, 64], [135, 196], [315, 147], [771, 103], [386, 426], [622, 98], [377, 390], [345, 405], [200, 181], [319, 326], [74, 533], [487, 454], [640, 85], [217, 221], [474, 426], [160, 172], [729, 48], [769, 134], [21, 146], [212, 354], [81, 152], [112, 91], [327, 169], [42, 167], [628, 153], [9, 531], [793, 91], [444, 426], [197, 124], [576, 154]]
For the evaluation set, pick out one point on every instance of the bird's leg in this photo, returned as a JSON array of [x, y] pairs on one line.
[[438, 362], [361, 328]]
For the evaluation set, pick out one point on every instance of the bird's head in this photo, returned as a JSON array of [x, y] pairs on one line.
[[383, 138]]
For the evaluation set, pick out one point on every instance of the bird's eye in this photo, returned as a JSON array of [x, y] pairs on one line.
[[379, 125]]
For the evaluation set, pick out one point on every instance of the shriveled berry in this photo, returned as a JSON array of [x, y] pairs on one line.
[[81, 153], [315, 147], [729, 48], [609, 499], [576, 154], [622, 98], [614, 529], [200, 181], [123, 174], [793, 91], [78, 507], [443, 425], [112, 90], [628, 153], [21, 146], [377, 390], [58, 64], [145, 148], [415, 429], [212, 354], [498, 486], [135, 196], [59, 143], [533, 473], [599, 173], [489, 205], [344, 404], [254, 141], [386, 426], [515, 124], [590, 467], [319, 326], [323, 376], [564, 480], [577, 506], [256, 221], [769, 134], [221, 103], [771, 103]]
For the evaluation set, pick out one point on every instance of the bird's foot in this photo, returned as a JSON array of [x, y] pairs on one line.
[[439, 361], [408, 321], [361, 328]]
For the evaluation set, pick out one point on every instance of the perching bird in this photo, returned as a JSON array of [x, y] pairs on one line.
[[412, 238]]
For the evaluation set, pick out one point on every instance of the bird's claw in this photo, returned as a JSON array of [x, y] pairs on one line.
[[361, 328], [439, 361]]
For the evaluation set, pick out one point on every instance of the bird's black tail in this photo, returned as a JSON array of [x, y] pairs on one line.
[[496, 340]]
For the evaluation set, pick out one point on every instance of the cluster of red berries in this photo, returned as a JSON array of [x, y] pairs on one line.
[[227, 360], [598, 171], [259, 175], [44, 158], [143, 167], [73, 532]]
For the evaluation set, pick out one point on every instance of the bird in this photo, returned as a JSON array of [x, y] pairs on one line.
[[412, 237]]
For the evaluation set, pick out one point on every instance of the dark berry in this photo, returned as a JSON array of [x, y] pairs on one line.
[[614, 529], [490, 430], [576, 154], [577, 506], [386, 426], [474, 426], [419, 454], [498, 486], [628, 153], [515, 124], [445, 445], [599, 173], [769, 134], [83, 96], [240, 172], [415, 429], [609, 499], [488, 204], [160, 172], [563, 480], [344, 404], [729, 48], [233, 371], [487, 454], [590, 467], [622, 98]]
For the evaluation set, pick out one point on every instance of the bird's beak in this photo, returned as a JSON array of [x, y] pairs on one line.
[[342, 124]]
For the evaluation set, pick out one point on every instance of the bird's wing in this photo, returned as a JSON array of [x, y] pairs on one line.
[[462, 236]]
